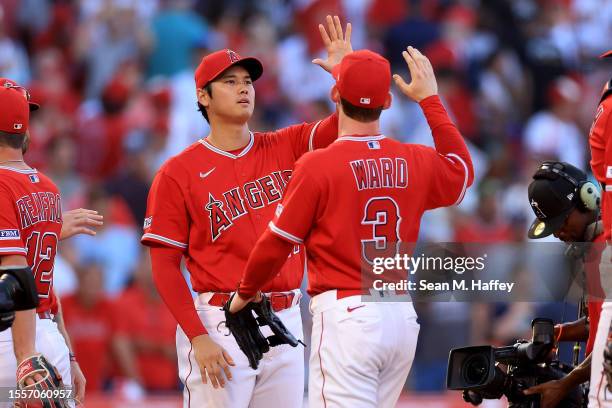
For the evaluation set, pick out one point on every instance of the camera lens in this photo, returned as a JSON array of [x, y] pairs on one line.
[[475, 369]]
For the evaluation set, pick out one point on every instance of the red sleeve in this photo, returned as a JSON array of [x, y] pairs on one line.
[[172, 287], [10, 230], [594, 314], [167, 219], [265, 262], [297, 214], [307, 137], [597, 139], [604, 125], [451, 163]]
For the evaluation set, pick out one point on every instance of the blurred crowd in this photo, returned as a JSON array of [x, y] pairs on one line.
[[521, 79]]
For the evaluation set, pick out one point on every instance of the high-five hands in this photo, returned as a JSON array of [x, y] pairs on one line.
[[423, 81], [337, 43]]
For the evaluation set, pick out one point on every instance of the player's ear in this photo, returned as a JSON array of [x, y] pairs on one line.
[[203, 97], [335, 94], [388, 101]]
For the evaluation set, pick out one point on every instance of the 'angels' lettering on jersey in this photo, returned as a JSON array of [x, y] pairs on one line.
[[234, 203], [39, 207], [382, 172]]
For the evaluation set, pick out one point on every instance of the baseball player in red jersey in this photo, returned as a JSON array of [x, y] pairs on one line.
[[600, 142], [365, 192], [30, 228], [210, 204]]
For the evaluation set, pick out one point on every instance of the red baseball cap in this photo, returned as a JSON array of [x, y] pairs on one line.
[[214, 64], [15, 107], [363, 78]]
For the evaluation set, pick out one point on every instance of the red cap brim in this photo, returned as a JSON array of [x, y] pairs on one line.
[[606, 54]]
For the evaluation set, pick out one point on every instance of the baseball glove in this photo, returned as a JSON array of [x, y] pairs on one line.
[[267, 317], [244, 325], [51, 380], [245, 330]]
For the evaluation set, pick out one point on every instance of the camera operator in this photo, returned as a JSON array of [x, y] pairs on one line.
[[567, 205]]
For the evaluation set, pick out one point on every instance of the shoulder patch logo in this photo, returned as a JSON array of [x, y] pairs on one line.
[[34, 178], [373, 145], [279, 210], [147, 222], [9, 234]]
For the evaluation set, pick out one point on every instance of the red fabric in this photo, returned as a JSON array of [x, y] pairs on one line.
[[174, 290], [90, 331], [215, 63], [600, 141], [218, 205], [363, 190], [593, 282], [267, 257], [31, 223], [15, 109], [363, 78], [141, 318]]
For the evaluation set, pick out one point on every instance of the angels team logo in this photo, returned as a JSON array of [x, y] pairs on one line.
[[232, 56], [218, 219]]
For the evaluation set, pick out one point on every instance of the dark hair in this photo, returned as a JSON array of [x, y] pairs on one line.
[[12, 140], [201, 108], [360, 114]]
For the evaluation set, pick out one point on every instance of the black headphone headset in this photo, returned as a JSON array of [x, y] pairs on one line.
[[586, 194]]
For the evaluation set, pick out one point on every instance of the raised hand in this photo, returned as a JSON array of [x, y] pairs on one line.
[[337, 43], [423, 81]]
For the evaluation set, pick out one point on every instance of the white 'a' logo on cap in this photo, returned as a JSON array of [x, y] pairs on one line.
[[232, 55]]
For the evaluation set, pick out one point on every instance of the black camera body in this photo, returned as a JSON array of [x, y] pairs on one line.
[[478, 370]]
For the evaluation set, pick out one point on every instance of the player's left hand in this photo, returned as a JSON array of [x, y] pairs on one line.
[[80, 221], [238, 303], [78, 382], [337, 43]]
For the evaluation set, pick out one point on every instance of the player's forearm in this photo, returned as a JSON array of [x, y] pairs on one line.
[[574, 331], [59, 320], [266, 260], [447, 138], [24, 334], [578, 375], [166, 264]]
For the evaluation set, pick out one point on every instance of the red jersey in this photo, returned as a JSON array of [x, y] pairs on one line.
[[362, 193], [600, 141], [90, 331], [593, 287], [30, 225], [214, 204]]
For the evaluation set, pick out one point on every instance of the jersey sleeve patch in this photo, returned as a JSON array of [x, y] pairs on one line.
[[9, 234]]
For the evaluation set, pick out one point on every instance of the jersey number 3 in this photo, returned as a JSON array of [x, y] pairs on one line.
[[382, 240], [41, 255]]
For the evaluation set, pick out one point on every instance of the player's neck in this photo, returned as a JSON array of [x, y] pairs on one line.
[[229, 137], [10, 157], [352, 127]]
